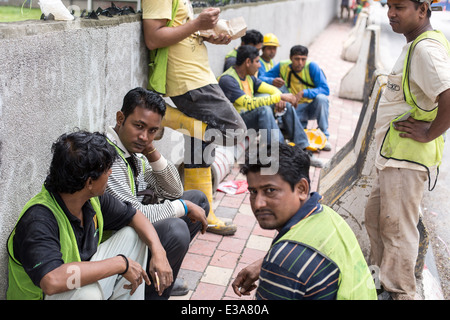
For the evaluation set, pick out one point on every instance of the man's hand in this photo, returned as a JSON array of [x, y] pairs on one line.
[[299, 95], [278, 82], [135, 275], [246, 278], [289, 97], [207, 19], [160, 271], [220, 39], [196, 214], [414, 129], [280, 106]]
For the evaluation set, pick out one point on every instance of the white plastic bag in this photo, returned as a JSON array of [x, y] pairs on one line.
[[55, 7]]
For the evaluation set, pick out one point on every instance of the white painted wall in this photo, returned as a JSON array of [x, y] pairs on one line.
[[55, 76]]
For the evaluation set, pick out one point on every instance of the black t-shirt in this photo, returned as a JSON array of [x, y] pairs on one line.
[[36, 241]]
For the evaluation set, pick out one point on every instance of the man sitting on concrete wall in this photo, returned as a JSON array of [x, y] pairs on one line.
[[56, 250], [169, 26], [143, 177], [307, 81]]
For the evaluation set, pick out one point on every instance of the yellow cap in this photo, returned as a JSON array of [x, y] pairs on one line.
[[270, 40]]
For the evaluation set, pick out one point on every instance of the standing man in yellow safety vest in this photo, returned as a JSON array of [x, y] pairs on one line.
[[412, 116], [179, 69], [315, 255]]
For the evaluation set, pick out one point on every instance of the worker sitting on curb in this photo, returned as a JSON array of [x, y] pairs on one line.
[[251, 38], [269, 50], [315, 255], [57, 249], [143, 177], [240, 85], [307, 81]]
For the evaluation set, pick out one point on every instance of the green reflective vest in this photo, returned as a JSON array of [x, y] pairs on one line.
[[129, 170], [267, 65], [157, 67], [328, 233], [20, 285], [232, 72], [395, 147], [304, 78]]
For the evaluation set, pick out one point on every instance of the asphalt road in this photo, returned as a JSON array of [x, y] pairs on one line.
[[436, 204]]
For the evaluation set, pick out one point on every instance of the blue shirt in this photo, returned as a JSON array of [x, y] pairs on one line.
[[292, 271], [317, 76]]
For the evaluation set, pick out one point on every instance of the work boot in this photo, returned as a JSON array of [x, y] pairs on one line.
[[200, 179]]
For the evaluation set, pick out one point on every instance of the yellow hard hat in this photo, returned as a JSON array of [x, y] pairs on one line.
[[270, 40], [316, 138]]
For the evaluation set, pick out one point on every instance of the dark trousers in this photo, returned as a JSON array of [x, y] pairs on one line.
[[175, 235]]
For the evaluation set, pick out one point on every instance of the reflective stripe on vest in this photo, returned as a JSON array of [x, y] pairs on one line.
[[267, 65], [129, 170], [328, 233], [20, 285], [232, 72], [404, 149]]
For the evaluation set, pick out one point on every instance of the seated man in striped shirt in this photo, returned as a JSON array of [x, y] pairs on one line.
[[141, 173], [315, 254]]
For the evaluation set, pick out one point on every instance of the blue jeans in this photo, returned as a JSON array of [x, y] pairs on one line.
[[292, 127], [263, 118], [315, 110]]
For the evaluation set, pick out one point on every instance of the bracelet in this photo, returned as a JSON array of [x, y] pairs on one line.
[[126, 261], [185, 206], [150, 152]]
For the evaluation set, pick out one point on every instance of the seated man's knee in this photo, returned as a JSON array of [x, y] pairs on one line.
[[178, 233], [265, 111], [322, 99]]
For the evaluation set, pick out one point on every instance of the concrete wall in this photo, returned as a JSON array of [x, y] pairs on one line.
[[55, 76]]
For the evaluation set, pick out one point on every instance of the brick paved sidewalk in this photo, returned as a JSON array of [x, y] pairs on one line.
[[213, 261]]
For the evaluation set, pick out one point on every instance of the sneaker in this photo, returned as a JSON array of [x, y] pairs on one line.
[[314, 162], [179, 288], [327, 146]]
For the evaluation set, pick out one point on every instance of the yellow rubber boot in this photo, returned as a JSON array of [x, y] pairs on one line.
[[177, 120], [200, 179]]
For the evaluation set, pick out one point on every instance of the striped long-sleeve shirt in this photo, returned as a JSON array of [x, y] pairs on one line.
[[293, 271], [161, 177]]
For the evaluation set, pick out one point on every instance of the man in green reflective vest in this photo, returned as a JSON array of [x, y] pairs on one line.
[[307, 81], [56, 250], [315, 255], [413, 114], [251, 38]]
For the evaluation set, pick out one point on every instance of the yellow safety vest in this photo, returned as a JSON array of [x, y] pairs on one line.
[[20, 286], [328, 233], [267, 65], [403, 149], [288, 76]]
